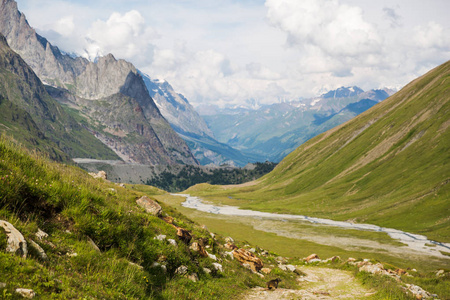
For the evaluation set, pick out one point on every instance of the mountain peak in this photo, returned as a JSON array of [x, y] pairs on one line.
[[343, 92]]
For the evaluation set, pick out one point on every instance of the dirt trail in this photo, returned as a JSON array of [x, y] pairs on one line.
[[319, 283]]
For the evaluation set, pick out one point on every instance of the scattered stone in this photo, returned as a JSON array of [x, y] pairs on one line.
[[2, 285], [136, 265], [100, 174], [230, 246], [252, 250], [150, 206], [91, 242], [314, 260], [374, 269], [418, 292], [212, 256], [168, 220], [440, 273], [246, 257], [212, 235], [16, 241], [162, 258], [311, 257], [122, 185], [265, 253], [160, 237], [196, 247], [229, 239], [181, 270], [332, 259], [218, 267], [26, 293], [228, 255], [40, 235], [172, 242], [73, 254], [400, 272], [40, 252], [184, 235], [266, 270], [207, 271], [193, 277], [281, 260]]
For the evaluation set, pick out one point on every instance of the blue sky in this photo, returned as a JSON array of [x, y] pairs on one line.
[[227, 52]]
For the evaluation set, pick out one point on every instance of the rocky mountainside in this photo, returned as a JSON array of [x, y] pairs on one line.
[[185, 120], [110, 95], [35, 119], [271, 132]]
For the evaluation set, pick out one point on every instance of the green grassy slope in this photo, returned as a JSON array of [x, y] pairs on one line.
[[389, 166]]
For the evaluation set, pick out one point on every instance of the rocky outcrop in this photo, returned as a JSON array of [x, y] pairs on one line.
[[150, 206], [100, 174], [38, 249], [246, 257], [110, 92], [16, 242]]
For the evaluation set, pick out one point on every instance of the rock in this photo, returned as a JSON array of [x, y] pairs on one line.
[[266, 270], [314, 260], [400, 272], [73, 254], [207, 271], [16, 241], [246, 257], [168, 219], [230, 246], [193, 277], [26, 293], [252, 250], [40, 252], [172, 242], [291, 268], [218, 267], [184, 235], [40, 235], [265, 253], [160, 237], [212, 256], [181, 270], [332, 259], [212, 235], [122, 185], [440, 273], [418, 292], [229, 239], [228, 255], [281, 260], [312, 256], [196, 247], [100, 174], [374, 269], [91, 242], [2, 285], [162, 258], [150, 206]]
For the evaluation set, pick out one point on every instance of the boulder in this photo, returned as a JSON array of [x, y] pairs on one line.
[[100, 174], [312, 256], [181, 270], [218, 267], [184, 235], [212, 256], [246, 257], [150, 206], [16, 242], [26, 293], [196, 247], [39, 251], [40, 235]]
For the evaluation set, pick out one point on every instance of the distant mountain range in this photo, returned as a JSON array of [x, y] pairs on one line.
[[273, 131], [388, 166]]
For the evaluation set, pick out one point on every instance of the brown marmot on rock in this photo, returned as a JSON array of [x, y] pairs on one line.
[[273, 284]]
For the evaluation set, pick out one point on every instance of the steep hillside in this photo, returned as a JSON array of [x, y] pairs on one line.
[[273, 131], [388, 166], [32, 117], [96, 90]]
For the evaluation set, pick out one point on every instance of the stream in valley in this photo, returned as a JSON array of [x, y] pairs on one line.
[[418, 243]]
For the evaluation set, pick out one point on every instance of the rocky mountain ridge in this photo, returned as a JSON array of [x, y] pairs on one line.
[[101, 91]]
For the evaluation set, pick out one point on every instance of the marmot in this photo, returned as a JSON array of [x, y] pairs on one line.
[[273, 284]]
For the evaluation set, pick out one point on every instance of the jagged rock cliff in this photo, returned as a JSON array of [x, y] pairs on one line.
[[110, 93]]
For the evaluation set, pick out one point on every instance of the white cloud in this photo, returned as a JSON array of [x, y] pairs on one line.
[[125, 35]]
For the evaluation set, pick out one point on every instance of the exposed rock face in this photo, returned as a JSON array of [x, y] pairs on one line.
[[110, 93], [16, 241], [246, 257], [150, 206]]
